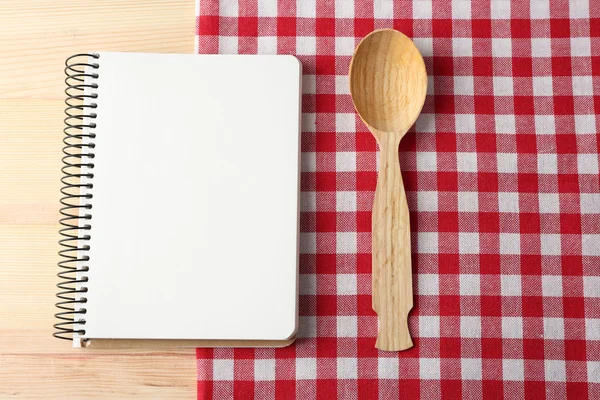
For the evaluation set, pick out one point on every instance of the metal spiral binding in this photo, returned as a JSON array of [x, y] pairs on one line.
[[78, 141]]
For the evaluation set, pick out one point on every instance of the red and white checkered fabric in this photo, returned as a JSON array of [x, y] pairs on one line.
[[501, 171]]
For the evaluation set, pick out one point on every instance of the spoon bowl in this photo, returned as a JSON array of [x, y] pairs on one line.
[[388, 83]]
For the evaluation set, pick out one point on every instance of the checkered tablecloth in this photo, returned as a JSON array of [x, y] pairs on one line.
[[501, 171]]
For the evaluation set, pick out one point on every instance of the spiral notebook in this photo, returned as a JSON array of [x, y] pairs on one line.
[[180, 208]]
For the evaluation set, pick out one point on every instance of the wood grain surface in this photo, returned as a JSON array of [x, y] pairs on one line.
[[388, 83], [35, 38]]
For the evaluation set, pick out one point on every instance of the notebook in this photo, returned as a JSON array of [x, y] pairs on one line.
[[181, 200]]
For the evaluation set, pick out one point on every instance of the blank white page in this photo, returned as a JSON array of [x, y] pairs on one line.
[[194, 230]]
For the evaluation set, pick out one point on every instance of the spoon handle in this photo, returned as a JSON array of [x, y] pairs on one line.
[[392, 274]]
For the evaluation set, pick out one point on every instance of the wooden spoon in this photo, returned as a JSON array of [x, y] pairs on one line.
[[388, 82]]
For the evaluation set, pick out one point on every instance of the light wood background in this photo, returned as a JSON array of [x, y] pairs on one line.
[[35, 38]]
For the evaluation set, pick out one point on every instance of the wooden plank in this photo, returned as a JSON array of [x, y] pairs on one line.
[[65, 376], [35, 38]]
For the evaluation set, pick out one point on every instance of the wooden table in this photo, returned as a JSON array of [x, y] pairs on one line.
[[35, 38]]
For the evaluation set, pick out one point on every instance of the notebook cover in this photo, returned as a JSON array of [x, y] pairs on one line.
[[194, 234]]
